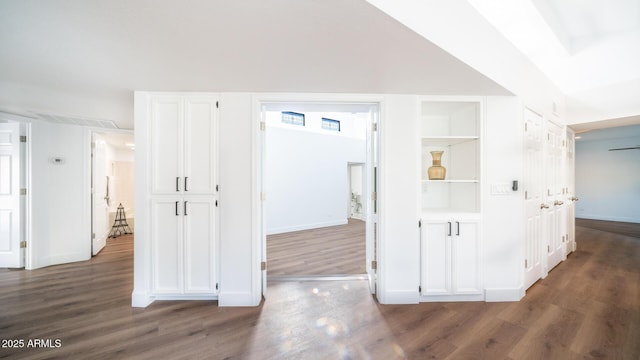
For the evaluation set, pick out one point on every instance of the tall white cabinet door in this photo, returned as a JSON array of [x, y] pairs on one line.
[[166, 129], [436, 257], [464, 256], [166, 245], [200, 145], [199, 246]]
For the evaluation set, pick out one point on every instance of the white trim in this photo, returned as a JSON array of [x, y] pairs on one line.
[[238, 299], [399, 297], [184, 297], [504, 294], [141, 300], [456, 298], [258, 227]]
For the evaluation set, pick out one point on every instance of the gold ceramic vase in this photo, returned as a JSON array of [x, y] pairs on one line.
[[437, 171]]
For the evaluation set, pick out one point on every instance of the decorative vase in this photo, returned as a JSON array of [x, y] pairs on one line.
[[437, 171]]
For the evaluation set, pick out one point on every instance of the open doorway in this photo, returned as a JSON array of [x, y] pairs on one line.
[[112, 176], [316, 223]]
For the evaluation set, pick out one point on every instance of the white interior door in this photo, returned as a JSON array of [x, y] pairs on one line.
[[554, 183], [371, 198], [100, 197], [261, 181], [570, 198], [10, 236], [534, 199]]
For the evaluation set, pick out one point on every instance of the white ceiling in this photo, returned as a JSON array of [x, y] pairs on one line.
[[80, 60], [589, 48], [84, 59]]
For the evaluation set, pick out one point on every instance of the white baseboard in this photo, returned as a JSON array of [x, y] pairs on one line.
[[398, 297], [504, 294], [141, 300], [287, 229], [237, 299], [185, 297], [453, 298]]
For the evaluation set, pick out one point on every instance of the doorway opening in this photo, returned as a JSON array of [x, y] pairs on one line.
[[112, 179], [317, 167]]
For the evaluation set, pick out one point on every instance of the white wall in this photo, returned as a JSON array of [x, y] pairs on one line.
[[607, 182], [60, 201], [399, 264], [503, 214], [399, 202], [239, 261], [307, 178]]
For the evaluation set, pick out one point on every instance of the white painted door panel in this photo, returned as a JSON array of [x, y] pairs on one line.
[[534, 199], [554, 197], [464, 256], [10, 237], [436, 257], [199, 235], [166, 245], [370, 208], [100, 214], [200, 146], [167, 116]]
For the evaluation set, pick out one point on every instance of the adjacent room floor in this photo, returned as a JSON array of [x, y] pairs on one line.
[[324, 251]]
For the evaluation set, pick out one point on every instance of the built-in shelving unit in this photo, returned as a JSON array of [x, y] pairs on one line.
[[452, 127], [451, 218]]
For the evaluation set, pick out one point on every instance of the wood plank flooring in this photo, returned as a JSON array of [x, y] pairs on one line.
[[587, 308], [325, 251]]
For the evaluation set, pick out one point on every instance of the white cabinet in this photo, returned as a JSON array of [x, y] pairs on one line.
[[182, 246], [183, 194], [451, 207], [450, 254], [183, 151]]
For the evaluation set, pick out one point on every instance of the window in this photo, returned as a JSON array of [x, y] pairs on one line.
[[329, 124], [292, 118]]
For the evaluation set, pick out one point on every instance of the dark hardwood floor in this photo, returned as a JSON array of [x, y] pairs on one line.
[[325, 251], [587, 308]]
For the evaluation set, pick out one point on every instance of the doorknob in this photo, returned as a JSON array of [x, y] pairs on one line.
[[544, 206], [556, 203], [573, 198]]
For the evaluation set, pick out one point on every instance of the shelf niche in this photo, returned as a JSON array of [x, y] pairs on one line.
[[452, 127]]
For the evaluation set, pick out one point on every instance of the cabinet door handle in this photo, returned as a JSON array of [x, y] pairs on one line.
[[185, 208], [177, 213], [177, 183], [449, 228], [458, 228], [186, 178]]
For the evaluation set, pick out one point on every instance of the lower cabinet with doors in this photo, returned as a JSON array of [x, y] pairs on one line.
[[183, 246], [451, 268]]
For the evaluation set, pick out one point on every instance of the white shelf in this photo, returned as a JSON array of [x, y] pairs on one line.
[[447, 181], [446, 140]]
